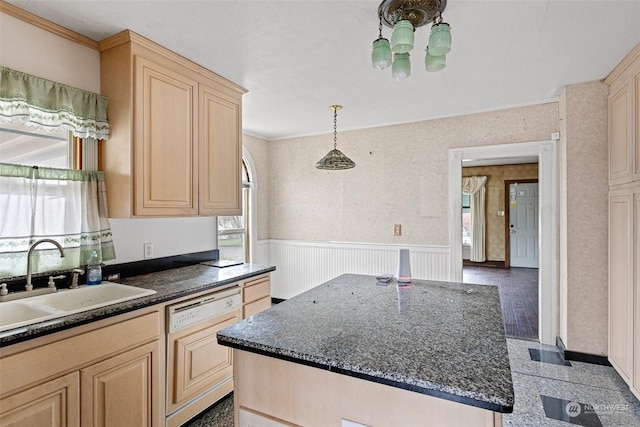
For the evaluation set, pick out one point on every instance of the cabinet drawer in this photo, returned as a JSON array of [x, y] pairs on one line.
[[256, 291], [257, 306]]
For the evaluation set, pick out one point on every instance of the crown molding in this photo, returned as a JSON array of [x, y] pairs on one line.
[[56, 29]]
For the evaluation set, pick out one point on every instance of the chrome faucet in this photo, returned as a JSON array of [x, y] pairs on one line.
[[29, 286]]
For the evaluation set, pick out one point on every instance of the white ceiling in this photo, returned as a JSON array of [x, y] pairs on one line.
[[298, 57]]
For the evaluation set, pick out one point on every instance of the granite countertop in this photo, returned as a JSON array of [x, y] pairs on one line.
[[437, 338], [168, 284]]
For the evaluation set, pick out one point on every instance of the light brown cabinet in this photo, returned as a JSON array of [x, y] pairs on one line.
[[120, 391], [112, 370], [175, 143], [624, 120], [624, 219], [54, 403], [256, 295], [621, 225]]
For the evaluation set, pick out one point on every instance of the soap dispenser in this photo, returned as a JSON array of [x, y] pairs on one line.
[[94, 269]]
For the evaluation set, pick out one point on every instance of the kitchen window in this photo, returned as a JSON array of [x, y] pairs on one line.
[[466, 219], [233, 231]]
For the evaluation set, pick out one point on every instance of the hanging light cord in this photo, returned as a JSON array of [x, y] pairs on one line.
[[380, 27], [335, 127]]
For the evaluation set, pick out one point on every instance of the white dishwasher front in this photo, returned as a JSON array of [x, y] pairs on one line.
[[199, 370]]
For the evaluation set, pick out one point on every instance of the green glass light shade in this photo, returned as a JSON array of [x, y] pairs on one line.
[[335, 160], [401, 68], [440, 39], [434, 62], [402, 37], [381, 54]]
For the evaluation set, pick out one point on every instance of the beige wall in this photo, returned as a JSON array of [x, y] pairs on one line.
[[259, 151], [496, 176], [583, 290], [400, 176], [33, 50]]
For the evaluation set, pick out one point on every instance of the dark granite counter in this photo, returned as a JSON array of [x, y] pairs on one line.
[[168, 284], [437, 338]]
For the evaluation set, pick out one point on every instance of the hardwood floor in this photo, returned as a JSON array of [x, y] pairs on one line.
[[518, 289]]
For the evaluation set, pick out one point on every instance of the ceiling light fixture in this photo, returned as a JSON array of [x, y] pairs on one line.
[[335, 159], [404, 16]]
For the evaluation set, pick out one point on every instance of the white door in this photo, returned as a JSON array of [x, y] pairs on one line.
[[523, 224]]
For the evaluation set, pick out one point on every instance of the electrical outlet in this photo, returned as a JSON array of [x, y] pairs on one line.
[[148, 250], [397, 229]]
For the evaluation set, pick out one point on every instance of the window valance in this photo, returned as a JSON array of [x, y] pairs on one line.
[[48, 105]]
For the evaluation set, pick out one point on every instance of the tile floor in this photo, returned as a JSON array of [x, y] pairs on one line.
[[518, 289], [549, 391]]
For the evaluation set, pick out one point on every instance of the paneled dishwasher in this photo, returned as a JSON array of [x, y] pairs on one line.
[[199, 371]]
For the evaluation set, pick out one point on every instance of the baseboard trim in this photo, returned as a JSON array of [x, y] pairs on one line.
[[581, 357]]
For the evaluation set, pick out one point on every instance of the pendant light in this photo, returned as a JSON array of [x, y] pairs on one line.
[[335, 159], [401, 68], [405, 16], [381, 53]]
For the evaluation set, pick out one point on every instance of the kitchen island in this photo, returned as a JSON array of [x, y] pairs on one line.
[[431, 353]]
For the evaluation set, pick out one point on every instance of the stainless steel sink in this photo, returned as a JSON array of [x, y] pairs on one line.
[[35, 309]]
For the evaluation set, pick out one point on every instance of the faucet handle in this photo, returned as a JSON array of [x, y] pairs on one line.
[[74, 278], [51, 283]]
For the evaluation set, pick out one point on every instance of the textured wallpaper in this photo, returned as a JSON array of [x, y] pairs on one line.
[[496, 175], [401, 176]]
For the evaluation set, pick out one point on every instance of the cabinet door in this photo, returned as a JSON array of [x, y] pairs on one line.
[[620, 282], [196, 361], [53, 404], [620, 134], [123, 390], [635, 384], [636, 125], [165, 149], [220, 153]]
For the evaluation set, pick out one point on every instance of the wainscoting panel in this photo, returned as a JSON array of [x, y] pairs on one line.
[[302, 265]]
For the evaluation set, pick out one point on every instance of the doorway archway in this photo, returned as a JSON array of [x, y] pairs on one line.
[[545, 152]]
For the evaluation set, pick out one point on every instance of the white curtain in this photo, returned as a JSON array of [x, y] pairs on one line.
[[475, 187], [68, 206]]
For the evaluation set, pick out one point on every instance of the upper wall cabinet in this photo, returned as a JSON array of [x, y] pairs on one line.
[[624, 120], [175, 145]]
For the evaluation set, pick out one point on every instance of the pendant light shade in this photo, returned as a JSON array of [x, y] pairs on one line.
[[402, 37], [335, 159], [440, 39], [401, 68], [434, 62], [381, 54]]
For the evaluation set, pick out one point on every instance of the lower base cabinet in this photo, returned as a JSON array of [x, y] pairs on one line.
[[109, 376], [122, 384], [54, 403]]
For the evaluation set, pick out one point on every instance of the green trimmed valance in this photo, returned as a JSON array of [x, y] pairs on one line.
[[48, 105]]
